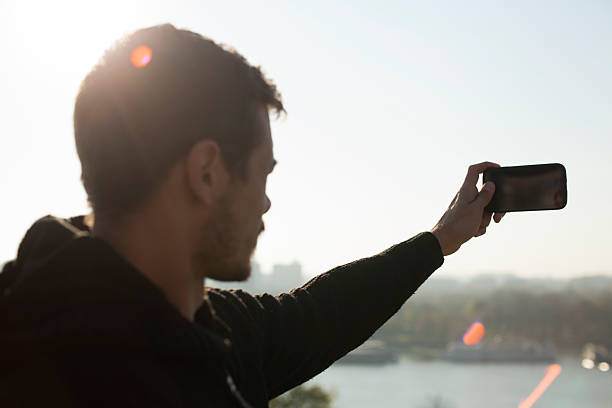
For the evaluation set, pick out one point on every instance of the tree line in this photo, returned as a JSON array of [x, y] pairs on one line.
[[567, 318]]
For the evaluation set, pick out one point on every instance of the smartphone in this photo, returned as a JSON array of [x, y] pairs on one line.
[[527, 188]]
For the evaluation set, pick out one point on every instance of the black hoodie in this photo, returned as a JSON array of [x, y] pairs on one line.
[[79, 326]]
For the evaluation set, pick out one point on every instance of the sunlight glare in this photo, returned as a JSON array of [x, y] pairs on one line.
[[588, 364]]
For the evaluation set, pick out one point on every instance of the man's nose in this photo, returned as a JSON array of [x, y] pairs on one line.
[[268, 205]]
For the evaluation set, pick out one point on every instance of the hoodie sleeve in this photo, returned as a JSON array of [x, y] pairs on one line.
[[303, 332]]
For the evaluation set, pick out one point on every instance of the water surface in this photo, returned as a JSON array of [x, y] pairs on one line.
[[412, 383]]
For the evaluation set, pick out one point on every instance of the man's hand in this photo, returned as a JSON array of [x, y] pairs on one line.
[[465, 217]]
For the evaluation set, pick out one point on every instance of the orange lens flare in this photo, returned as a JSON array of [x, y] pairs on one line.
[[141, 56], [474, 334], [551, 373]]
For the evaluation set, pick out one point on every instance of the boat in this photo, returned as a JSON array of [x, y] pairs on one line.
[[499, 351]]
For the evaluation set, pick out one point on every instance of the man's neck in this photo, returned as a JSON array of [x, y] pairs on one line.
[[156, 247]]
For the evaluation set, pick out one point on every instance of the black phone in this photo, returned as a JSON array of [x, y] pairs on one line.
[[527, 188]]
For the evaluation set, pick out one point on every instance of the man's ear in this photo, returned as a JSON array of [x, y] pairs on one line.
[[207, 176]]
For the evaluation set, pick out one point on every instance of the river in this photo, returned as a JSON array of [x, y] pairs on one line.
[[417, 384]]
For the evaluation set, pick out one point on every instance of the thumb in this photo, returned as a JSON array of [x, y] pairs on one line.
[[486, 194]]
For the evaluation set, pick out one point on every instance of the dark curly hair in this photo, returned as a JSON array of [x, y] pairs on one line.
[[131, 124]]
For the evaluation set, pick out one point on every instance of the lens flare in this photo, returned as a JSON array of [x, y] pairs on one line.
[[141, 56], [551, 373], [474, 333]]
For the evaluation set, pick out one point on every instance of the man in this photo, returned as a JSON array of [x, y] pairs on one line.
[[173, 135]]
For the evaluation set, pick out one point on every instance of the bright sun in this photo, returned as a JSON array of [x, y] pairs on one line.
[[76, 32]]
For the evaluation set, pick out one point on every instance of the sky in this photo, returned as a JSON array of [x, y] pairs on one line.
[[388, 104]]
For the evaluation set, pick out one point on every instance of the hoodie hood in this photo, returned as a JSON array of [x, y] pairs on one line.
[[45, 238], [67, 290]]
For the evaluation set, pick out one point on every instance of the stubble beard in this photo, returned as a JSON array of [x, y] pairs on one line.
[[222, 249]]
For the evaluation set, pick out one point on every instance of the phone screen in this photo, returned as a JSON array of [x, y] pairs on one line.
[[527, 188]]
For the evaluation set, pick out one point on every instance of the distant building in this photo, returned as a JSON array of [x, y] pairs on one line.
[[283, 278]]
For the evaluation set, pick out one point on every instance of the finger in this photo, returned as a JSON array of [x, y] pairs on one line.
[[474, 171], [481, 231], [485, 195], [486, 219], [498, 216]]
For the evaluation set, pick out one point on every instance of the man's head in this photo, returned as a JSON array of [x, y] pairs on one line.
[[192, 122]]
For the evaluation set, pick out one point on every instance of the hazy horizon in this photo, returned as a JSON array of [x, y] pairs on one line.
[[465, 277], [387, 106]]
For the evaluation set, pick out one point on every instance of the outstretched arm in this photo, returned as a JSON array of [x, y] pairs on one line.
[[315, 325]]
